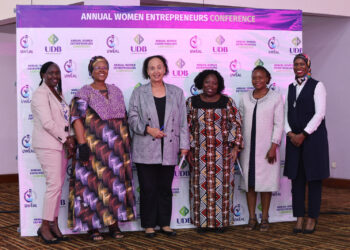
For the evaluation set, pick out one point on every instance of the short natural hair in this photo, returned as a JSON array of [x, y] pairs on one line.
[[145, 65], [198, 81], [262, 68]]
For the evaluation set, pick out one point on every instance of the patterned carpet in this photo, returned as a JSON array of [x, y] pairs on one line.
[[333, 231]]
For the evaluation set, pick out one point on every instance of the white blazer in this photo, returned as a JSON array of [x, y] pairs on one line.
[[50, 126]]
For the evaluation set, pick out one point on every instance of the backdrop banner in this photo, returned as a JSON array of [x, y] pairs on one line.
[[232, 41]]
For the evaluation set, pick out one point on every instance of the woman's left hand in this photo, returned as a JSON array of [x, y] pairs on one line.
[[298, 139], [183, 152], [234, 153], [70, 146], [271, 154]]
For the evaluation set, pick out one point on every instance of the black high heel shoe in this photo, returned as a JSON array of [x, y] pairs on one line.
[[52, 241], [62, 238], [168, 233], [310, 231], [297, 230]]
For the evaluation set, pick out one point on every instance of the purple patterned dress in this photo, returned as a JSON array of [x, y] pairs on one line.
[[102, 193]]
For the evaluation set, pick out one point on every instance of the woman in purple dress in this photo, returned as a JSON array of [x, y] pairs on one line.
[[101, 189]]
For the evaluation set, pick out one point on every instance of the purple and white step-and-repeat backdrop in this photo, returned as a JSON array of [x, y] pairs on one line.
[[232, 41]]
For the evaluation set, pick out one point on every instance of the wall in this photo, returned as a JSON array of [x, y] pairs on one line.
[[8, 109], [323, 7], [327, 40]]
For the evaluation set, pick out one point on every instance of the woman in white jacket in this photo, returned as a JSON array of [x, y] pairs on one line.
[[262, 116]]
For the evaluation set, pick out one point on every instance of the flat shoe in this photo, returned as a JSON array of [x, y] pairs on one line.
[[168, 233], [220, 230], [201, 230], [150, 235]]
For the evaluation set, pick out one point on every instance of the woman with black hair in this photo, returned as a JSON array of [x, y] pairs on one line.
[[262, 116], [50, 139], [157, 118], [101, 188], [215, 137]]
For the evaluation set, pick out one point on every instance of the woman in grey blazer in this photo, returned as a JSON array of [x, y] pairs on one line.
[[157, 120]]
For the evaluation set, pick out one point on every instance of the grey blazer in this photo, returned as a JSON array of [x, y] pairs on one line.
[[142, 111]]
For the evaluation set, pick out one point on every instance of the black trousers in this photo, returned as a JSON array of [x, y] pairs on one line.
[[155, 194], [298, 195]]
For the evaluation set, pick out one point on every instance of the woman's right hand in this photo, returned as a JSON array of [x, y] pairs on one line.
[[84, 153], [189, 158], [70, 146], [155, 132]]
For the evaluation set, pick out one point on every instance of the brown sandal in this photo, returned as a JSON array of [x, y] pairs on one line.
[[115, 232], [95, 235], [264, 225], [252, 224]]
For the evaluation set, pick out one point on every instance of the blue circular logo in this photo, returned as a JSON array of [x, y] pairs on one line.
[[238, 210], [29, 196], [26, 141], [68, 66], [25, 91], [24, 42], [194, 90], [273, 43], [111, 41]]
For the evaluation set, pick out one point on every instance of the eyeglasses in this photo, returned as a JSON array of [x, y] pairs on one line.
[[101, 68]]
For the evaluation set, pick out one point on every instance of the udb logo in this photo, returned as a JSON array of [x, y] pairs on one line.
[[138, 39], [259, 62], [53, 39], [180, 72], [220, 49], [183, 211], [296, 50]]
